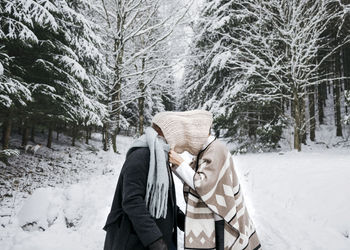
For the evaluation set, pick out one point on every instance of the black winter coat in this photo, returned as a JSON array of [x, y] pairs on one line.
[[129, 224]]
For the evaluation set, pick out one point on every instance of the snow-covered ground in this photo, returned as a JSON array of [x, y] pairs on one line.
[[297, 200], [72, 192]]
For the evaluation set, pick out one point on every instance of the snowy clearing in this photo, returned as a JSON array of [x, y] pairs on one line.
[[297, 200]]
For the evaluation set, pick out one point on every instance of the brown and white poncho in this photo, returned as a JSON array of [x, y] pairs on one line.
[[218, 191]]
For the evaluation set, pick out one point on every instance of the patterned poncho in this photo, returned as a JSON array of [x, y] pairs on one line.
[[217, 190]]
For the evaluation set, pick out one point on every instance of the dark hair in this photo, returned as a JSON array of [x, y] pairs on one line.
[[158, 129]]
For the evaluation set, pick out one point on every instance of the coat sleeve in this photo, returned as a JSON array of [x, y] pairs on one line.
[[133, 204], [186, 173]]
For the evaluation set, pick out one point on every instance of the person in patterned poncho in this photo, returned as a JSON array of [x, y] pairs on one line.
[[216, 215]]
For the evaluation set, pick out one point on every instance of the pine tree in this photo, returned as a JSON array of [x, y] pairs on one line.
[[54, 50]]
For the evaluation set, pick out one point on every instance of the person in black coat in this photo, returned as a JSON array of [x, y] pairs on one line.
[[129, 224]]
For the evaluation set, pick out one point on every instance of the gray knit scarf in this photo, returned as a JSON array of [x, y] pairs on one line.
[[158, 179]]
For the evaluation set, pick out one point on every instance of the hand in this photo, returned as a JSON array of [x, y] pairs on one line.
[[158, 245], [175, 158]]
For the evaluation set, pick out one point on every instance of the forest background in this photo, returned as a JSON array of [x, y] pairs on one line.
[[273, 72]]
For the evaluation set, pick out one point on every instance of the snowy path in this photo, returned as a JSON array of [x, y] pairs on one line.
[[301, 200], [297, 200]]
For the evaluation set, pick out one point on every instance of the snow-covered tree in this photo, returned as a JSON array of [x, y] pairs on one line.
[[55, 52], [137, 32], [217, 83], [14, 95], [347, 102], [257, 57]]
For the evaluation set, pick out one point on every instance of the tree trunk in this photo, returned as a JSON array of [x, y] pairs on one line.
[[346, 72], [312, 112], [25, 134], [297, 144], [345, 62], [141, 99], [74, 134], [20, 126], [49, 137], [32, 133], [141, 114], [303, 121], [6, 133], [114, 141], [116, 91], [336, 96], [57, 135], [105, 137], [321, 91], [297, 121], [346, 67], [320, 103], [252, 124], [282, 105], [87, 135]]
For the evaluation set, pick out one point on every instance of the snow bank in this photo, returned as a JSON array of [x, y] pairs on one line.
[[41, 210]]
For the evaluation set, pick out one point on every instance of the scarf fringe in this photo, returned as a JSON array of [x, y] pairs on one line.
[[156, 205]]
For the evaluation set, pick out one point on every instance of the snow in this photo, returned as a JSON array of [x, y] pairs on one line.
[[297, 201], [1, 69], [220, 23], [13, 89], [55, 189], [42, 208], [67, 217], [74, 67], [76, 214], [220, 60]]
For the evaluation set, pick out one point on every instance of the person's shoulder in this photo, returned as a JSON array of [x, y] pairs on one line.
[[139, 153], [217, 148], [137, 160], [219, 145]]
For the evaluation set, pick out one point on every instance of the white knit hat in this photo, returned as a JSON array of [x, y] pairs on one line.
[[185, 131]]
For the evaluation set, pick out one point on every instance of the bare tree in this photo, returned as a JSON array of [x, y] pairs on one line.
[[135, 31]]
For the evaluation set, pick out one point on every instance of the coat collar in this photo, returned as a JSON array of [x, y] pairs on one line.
[[211, 138]]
